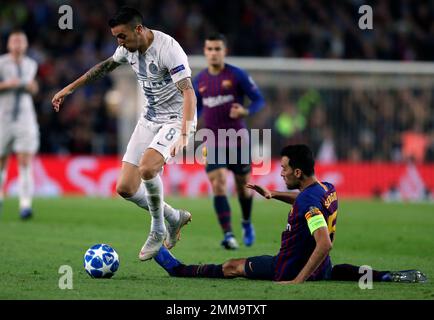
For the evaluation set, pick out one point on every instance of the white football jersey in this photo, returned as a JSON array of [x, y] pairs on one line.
[[158, 69], [17, 105]]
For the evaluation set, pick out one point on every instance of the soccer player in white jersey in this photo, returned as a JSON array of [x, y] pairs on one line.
[[167, 121], [19, 131]]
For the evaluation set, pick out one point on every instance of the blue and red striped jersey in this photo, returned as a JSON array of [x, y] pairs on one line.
[[297, 241], [216, 94]]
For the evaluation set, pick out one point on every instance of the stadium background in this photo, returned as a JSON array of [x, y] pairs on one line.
[[312, 62], [361, 98]]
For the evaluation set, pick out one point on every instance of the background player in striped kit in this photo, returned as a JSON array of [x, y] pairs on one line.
[[19, 131], [220, 89], [167, 121], [306, 241]]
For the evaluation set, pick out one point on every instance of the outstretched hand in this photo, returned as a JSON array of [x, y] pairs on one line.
[[261, 190], [58, 99], [294, 281]]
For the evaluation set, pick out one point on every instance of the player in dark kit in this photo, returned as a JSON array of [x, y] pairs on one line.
[[306, 240], [220, 91]]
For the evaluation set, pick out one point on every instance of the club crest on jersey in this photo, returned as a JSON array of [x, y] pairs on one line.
[[313, 211], [153, 68], [226, 84], [288, 227], [202, 89]]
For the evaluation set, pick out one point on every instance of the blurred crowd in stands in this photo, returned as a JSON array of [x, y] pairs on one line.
[[359, 125], [353, 125]]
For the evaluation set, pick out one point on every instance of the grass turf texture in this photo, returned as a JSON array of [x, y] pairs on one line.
[[384, 236]]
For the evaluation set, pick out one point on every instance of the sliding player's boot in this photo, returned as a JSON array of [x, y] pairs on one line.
[[407, 276]]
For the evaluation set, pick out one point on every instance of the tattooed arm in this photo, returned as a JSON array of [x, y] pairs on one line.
[[189, 104], [95, 73], [189, 111]]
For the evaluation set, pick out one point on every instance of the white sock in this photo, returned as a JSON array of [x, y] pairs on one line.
[[171, 214], [139, 198], [154, 197], [25, 186]]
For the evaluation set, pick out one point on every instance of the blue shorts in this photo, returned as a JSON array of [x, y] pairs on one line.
[[241, 165], [263, 268], [260, 267]]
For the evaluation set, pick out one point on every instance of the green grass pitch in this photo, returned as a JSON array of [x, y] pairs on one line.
[[384, 236]]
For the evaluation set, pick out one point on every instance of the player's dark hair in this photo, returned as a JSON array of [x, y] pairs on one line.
[[300, 157], [126, 15], [17, 31], [217, 37]]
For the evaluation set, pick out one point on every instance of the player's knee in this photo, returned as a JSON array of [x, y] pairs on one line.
[[243, 192], [124, 190], [2, 162], [148, 172], [24, 160], [218, 186], [232, 268]]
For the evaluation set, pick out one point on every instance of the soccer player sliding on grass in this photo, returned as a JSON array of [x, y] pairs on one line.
[[306, 240]]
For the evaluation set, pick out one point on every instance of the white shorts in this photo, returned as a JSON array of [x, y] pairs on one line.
[[148, 134], [18, 138]]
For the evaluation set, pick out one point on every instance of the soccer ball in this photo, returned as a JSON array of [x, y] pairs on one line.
[[101, 261]]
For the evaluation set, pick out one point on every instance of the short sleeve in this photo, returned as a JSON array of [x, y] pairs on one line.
[[120, 55], [175, 60]]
